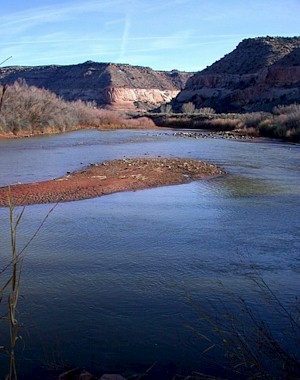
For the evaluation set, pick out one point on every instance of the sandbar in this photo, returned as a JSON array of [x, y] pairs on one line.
[[128, 174]]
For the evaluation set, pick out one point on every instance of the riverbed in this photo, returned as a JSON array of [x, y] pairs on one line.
[[111, 283]]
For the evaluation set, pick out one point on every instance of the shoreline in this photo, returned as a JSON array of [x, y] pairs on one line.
[[201, 133], [107, 178], [104, 127]]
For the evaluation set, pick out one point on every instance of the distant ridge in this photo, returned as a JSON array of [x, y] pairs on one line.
[[119, 86], [258, 75], [254, 54]]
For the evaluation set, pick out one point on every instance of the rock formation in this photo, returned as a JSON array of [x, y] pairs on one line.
[[117, 86], [258, 75]]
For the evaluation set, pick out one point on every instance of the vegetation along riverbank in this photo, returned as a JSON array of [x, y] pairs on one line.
[[282, 123], [28, 111]]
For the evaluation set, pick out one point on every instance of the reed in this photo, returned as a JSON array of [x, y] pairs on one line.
[[10, 274], [13, 296], [248, 343], [11, 288]]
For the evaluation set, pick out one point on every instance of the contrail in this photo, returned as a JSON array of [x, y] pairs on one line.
[[125, 38]]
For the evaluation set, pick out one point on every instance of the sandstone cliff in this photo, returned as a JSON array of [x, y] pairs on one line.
[[116, 86], [258, 75]]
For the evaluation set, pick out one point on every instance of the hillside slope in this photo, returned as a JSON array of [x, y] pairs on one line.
[[116, 86], [258, 75]]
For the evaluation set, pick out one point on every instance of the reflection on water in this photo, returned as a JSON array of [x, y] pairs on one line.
[[238, 186], [105, 285]]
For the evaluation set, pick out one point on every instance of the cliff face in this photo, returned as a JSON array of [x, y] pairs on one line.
[[113, 85], [258, 75]]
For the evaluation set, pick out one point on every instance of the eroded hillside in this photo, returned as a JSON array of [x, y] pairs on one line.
[[117, 86], [258, 75]]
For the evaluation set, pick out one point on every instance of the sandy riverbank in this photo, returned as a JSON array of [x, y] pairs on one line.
[[109, 177], [103, 127]]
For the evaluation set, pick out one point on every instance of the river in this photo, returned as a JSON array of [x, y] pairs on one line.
[[111, 284]]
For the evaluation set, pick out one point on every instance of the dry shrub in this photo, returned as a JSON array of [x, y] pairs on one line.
[[250, 131], [289, 109], [166, 108], [141, 123], [173, 121], [285, 126], [205, 111], [223, 124], [253, 119], [90, 116], [188, 108], [31, 110]]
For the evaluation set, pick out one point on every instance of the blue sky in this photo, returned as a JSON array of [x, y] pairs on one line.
[[162, 34]]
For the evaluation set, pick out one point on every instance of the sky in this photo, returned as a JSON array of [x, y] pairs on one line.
[[186, 35]]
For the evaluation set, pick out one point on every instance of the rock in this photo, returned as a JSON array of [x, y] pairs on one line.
[[117, 86], [258, 75], [213, 135], [99, 176]]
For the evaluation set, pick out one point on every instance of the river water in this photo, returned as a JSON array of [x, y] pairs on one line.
[[111, 284]]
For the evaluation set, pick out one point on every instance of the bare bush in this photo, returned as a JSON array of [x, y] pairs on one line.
[[253, 119], [188, 107], [284, 126], [291, 108], [223, 124], [206, 111], [141, 122], [166, 108], [31, 110]]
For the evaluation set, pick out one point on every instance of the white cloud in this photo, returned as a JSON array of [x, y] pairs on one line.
[[20, 21], [171, 31]]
